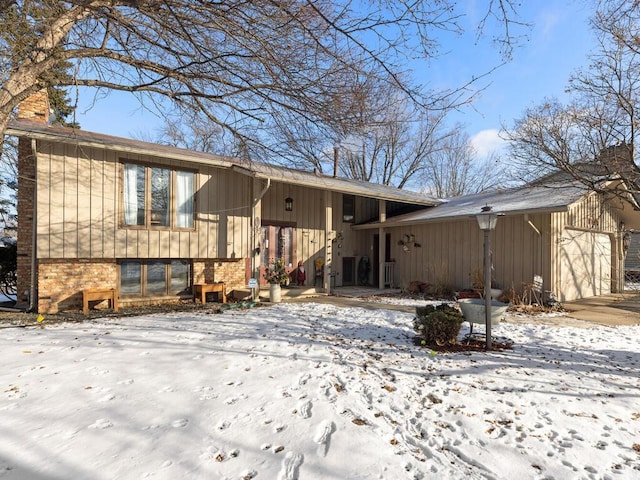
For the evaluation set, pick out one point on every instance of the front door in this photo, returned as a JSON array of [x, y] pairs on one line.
[[276, 241], [348, 271]]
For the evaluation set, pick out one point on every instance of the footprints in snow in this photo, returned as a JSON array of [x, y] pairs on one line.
[[291, 466], [101, 424], [304, 409], [323, 437]]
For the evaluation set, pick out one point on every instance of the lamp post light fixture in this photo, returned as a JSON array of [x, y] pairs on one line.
[[487, 220], [288, 204]]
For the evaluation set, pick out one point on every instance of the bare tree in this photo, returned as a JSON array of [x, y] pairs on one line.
[[392, 147], [592, 137], [455, 168], [239, 63]]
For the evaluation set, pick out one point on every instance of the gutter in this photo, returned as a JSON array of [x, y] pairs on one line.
[[391, 222], [83, 138], [261, 194]]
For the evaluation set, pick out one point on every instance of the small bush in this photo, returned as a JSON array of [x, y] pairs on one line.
[[438, 325]]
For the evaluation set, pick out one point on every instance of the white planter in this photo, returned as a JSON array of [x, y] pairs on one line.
[[474, 312], [275, 293], [495, 293]]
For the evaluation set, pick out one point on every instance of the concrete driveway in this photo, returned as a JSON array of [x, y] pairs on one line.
[[612, 310]]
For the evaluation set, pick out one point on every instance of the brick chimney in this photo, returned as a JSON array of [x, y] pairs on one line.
[[35, 107]]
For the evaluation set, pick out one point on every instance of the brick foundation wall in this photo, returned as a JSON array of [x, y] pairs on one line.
[[232, 272], [61, 282]]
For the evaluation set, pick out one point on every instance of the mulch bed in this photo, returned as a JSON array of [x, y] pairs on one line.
[[468, 344], [24, 319]]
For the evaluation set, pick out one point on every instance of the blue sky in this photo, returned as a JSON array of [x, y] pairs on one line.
[[558, 43]]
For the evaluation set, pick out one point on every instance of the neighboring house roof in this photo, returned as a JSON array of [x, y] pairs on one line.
[[42, 131], [509, 202]]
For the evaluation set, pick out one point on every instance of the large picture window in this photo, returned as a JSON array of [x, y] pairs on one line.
[[154, 277], [157, 197]]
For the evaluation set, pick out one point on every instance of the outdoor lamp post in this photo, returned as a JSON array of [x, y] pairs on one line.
[[487, 221]]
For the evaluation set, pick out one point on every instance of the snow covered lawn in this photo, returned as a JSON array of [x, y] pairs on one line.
[[314, 391]]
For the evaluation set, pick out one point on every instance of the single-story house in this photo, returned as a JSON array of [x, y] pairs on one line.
[[556, 238], [151, 221]]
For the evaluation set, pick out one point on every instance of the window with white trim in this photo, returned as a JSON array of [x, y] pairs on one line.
[[157, 197]]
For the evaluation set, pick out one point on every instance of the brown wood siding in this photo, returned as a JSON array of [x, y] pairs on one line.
[[366, 209], [593, 213], [350, 243], [45, 193], [79, 192], [307, 216], [450, 252]]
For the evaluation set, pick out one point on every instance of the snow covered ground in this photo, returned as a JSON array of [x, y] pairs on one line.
[[313, 391]]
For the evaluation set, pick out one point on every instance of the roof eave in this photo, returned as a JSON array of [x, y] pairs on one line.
[[339, 186], [400, 223], [111, 143]]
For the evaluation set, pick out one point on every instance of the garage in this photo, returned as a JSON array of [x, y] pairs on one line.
[[585, 264]]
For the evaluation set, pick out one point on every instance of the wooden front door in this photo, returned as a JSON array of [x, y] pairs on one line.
[[277, 241]]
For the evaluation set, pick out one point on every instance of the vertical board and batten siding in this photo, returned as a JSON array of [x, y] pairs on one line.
[[307, 216], [450, 253], [78, 211], [593, 215], [367, 209], [592, 212], [233, 193], [352, 243], [44, 187], [102, 198]]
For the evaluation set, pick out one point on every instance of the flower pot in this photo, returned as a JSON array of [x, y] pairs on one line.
[[275, 293], [474, 312], [496, 293]]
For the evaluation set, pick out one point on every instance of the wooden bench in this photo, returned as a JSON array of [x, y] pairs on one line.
[[99, 294], [200, 291]]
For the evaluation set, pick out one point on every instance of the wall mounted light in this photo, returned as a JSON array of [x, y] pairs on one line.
[[288, 204]]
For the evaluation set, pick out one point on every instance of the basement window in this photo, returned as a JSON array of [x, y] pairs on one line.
[[154, 277]]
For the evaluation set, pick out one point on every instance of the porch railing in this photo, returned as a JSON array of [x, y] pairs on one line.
[[388, 273]]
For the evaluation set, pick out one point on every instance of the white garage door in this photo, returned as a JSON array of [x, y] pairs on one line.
[[585, 265]]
